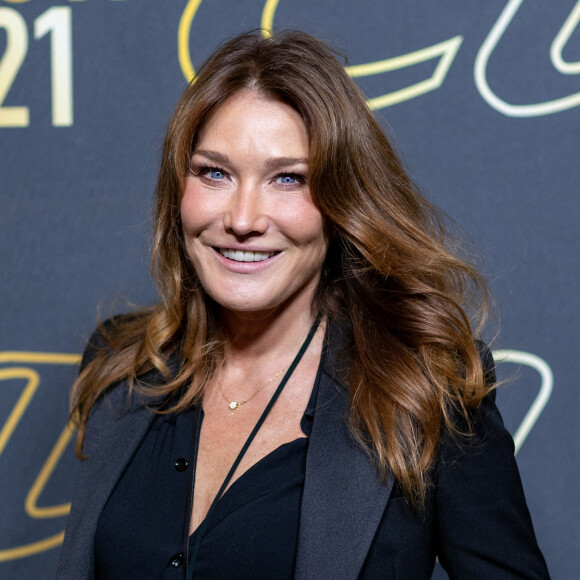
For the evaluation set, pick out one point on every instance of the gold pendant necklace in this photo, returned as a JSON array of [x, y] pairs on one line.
[[235, 405]]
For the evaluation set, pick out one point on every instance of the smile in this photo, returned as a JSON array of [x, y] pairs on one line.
[[245, 256]]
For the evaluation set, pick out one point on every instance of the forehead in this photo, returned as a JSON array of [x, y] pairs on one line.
[[252, 120]]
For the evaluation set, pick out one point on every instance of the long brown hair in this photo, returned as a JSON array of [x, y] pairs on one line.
[[389, 272]]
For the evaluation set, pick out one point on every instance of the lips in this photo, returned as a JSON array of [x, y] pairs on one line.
[[245, 255]]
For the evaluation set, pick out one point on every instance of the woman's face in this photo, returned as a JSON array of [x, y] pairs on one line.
[[251, 229]]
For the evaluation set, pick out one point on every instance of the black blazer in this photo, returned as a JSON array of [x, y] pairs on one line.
[[352, 524]]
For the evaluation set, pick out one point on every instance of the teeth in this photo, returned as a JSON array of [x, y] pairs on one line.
[[240, 256]]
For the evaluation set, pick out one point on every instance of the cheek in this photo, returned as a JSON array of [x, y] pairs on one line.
[[309, 226], [188, 218], [299, 216], [187, 207], [194, 210]]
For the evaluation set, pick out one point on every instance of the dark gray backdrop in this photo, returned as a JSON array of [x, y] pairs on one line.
[[486, 118]]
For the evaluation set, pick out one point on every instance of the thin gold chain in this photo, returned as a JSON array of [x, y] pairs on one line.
[[235, 405]]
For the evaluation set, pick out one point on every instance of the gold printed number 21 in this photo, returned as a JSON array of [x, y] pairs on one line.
[[55, 21]]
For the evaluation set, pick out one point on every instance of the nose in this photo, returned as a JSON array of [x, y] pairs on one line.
[[245, 213]]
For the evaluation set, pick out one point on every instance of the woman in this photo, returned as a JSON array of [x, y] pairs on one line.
[[308, 399]]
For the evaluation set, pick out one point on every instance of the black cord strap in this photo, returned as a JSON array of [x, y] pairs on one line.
[[203, 526]]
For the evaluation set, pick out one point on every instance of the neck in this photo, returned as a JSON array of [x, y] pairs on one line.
[[256, 338]]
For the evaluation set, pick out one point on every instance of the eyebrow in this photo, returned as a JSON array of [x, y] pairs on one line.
[[279, 162], [271, 164], [213, 156]]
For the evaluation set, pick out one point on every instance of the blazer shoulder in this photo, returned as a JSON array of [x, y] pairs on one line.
[[484, 529], [103, 336]]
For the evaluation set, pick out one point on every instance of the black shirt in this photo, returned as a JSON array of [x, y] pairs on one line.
[[253, 533]]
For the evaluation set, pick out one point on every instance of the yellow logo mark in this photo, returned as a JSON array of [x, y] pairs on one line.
[[32, 382], [489, 45], [267, 23], [183, 39], [445, 51]]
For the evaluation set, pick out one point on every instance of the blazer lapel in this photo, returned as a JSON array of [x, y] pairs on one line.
[[115, 432], [344, 497], [123, 422]]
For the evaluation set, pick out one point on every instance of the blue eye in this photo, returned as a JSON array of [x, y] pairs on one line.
[[216, 174], [287, 179]]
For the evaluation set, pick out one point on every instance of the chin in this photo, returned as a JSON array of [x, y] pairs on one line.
[[242, 302], [255, 302], [248, 305]]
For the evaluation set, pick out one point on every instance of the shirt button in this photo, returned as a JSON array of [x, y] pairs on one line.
[[180, 464], [176, 560]]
